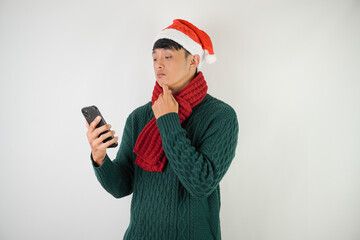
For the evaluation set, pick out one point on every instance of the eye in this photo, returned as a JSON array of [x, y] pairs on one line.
[[154, 59], [168, 56]]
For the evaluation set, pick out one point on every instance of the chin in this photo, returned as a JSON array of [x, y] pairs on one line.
[[160, 83]]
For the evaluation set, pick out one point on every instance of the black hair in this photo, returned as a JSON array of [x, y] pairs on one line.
[[170, 44]]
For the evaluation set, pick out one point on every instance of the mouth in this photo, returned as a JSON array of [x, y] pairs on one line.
[[160, 74]]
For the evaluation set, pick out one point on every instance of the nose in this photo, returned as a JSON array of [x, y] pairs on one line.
[[159, 64]]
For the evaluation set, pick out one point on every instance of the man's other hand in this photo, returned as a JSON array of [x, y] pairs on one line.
[[165, 103]]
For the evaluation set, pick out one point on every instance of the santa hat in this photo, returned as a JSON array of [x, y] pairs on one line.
[[194, 40]]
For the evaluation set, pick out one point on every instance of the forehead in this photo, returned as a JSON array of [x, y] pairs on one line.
[[166, 50]]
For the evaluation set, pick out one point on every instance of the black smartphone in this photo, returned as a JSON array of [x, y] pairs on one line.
[[90, 113]]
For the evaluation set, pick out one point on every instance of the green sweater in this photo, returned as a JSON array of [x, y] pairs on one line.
[[183, 201]]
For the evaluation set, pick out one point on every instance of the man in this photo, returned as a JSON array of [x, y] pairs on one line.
[[175, 149]]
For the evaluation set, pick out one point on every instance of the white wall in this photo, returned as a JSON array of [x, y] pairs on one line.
[[290, 69]]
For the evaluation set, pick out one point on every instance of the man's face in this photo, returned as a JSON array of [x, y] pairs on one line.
[[171, 67]]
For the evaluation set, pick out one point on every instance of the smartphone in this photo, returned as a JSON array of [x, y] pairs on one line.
[[90, 113]]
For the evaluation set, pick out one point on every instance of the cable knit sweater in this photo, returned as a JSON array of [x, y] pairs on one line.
[[183, 201]]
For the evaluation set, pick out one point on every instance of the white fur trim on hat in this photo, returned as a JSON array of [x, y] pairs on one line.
[[183, 39]]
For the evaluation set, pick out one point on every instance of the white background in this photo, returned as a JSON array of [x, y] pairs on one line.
[[290, 69]]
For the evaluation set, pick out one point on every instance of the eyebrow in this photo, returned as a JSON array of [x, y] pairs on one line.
[[166, 49]]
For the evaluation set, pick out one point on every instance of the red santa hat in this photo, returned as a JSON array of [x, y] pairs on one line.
[[194, 40]]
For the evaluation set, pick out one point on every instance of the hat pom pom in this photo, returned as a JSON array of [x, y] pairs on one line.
[[210, 58]]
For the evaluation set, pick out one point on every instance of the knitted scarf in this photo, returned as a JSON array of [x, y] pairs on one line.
[[148, 146]]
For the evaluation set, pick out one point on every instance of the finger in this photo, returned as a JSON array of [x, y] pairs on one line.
[[101, 129], [95, 123], [174, 100], [112, 141], [166, 89], [172, 97], [106, 135]]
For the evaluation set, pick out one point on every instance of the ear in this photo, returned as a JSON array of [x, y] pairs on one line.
[[195, 60]]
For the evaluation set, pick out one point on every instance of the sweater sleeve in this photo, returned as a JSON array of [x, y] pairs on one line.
[[200, 171], [116, 176]]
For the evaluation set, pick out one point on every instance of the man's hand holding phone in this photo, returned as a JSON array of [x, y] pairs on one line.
[[98, 147]]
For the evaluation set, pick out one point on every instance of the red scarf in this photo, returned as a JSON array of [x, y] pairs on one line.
[[148, 146]]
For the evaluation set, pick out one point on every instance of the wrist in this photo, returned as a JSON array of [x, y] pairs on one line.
[[97, 161]]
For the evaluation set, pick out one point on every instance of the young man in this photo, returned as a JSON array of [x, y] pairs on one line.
[[175, 149]]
